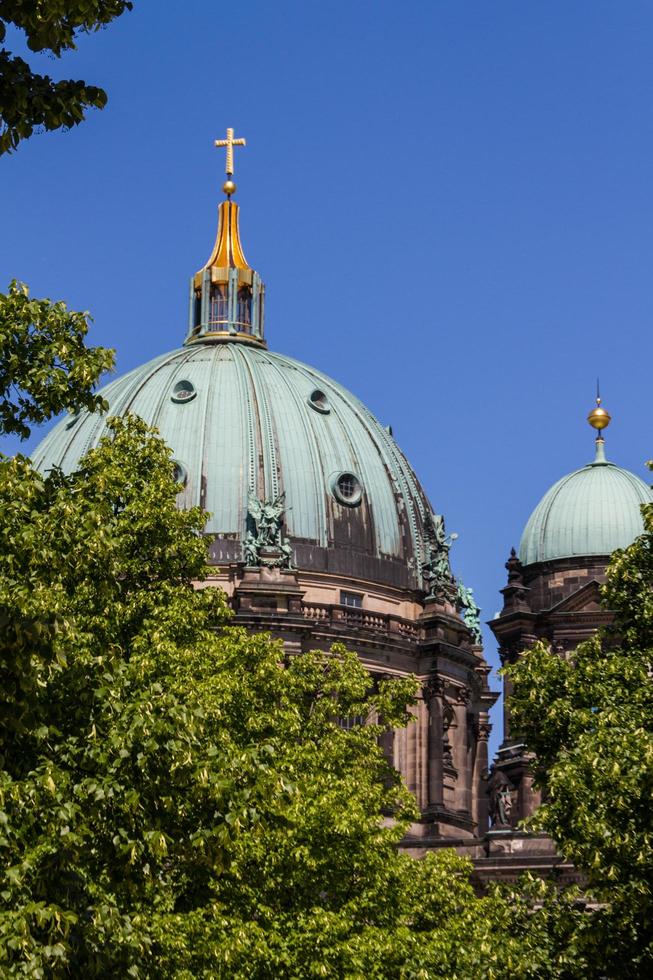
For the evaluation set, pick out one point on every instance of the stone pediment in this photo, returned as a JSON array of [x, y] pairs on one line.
[[586, 599]]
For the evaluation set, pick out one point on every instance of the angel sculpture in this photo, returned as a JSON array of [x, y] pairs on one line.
[[471, 612], [267, 515], [436, 570], [265, 520]]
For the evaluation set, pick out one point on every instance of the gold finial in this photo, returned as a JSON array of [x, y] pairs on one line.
[[229, 187], [599, 418]]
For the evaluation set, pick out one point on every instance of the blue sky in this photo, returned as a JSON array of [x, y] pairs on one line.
[[450, 203]]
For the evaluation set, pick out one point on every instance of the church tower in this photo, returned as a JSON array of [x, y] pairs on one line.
[[553, 594]]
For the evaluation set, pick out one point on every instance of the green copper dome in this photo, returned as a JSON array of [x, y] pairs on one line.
[[591, 511], [250, 429], [241, 420]]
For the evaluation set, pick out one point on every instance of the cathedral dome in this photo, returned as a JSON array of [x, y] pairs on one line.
[[592, 511], [270, 447], [241, 420]]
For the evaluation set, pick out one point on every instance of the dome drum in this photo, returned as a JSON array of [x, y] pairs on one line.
[[550, 583]]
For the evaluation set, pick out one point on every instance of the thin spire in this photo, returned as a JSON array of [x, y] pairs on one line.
[[599, 418]]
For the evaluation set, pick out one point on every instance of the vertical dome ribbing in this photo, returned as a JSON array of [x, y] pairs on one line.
[[592, 511], [239, 420]]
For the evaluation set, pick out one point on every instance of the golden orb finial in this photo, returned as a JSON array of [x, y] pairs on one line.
[[599, 418]]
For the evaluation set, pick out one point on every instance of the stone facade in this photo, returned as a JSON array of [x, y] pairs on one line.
[[443, 755], [558, 602]]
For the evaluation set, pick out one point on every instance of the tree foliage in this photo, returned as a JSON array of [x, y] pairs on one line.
[[589, 720], [28, 99], [45, 366], [178, 798]]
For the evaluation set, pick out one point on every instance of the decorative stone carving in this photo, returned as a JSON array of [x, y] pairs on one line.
[[500, 791], [448, 719], [436, 570], [471, 613], [264, 543], [463, 695], [448, 715], [250, 550], [482, 730], [514, 568], [509, 653], [515, 594], [432, 688]]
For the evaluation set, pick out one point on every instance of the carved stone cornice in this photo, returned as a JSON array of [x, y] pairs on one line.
[[463, 695]]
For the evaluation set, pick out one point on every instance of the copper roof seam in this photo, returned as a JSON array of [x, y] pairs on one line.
[[252, 482], [306, 424], [270, 475]]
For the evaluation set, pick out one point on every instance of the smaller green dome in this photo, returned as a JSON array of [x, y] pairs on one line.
[[592, 511]]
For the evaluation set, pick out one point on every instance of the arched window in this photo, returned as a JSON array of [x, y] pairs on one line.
[[218, 305], [244, 310]]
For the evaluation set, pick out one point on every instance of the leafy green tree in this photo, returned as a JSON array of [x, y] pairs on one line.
[[45, 366], [178, 799], [589, 720], [28, 99]]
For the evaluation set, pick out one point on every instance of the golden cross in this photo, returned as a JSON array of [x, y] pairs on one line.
[[230, 142]]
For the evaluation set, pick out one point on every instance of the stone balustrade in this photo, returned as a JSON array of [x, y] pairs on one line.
[[329, 614]]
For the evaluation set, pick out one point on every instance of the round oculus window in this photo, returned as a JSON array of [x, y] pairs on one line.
[[183, 391], [319, 401], [179, 473], [347, 489]]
